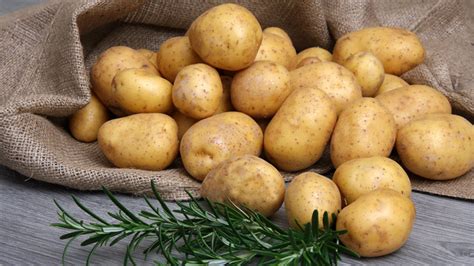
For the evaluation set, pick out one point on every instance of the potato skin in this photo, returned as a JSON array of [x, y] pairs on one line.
[[412, 102], [308, 61], [225, 104], [296, 136], [308, 192], [84, 124], [360, 176], [141, 141], [109, 63], [368, 71], [364, 129], [226, 36], [335, 80], [391, 82], [246, 181], [278, 31], [261, 89], [276, 49], [151, 56], [175, 54], [218, 138], [197, 91], [398, 49], [318, 52], [183, 122], [378, 222], [437, 146], [139, 91]]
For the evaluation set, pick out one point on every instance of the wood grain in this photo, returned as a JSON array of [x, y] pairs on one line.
[[442, 234]]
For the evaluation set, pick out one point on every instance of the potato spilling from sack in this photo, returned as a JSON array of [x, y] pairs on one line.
[[247, 181], [226, 36], [399, 50], [378, 222]]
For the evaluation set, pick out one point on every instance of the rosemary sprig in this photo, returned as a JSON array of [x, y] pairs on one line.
[[201, 233]]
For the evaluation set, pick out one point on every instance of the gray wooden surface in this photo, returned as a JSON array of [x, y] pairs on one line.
[[443, 232]]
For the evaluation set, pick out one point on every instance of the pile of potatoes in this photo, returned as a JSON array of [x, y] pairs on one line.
[[238, 104]]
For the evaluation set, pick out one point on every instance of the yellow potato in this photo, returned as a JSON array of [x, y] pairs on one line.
[[274, 48], [218, 138], [197, 91], [226, 36], [318, 52], [139, 91], [184, 123], [368, 71], [84, 124], [308, 192], [151, 56], [364, 129], [142, 141], [399, 50], [246, 181], [109, 63], [412, 102], [225, 105], [260, 89], [378, 222], [175, 54], [278, 31], [360, 176], [391, 82], [335, 80], [308, 61], [437, 146], [296, 136]]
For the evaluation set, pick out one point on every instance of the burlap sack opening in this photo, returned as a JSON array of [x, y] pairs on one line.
[[47, 51]]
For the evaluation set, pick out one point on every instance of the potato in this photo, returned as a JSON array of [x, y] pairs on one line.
[[308, 192], [260, 90], [368, 71], [142, 141], [364, 129], [175, 54], [357, 177], [296, 136], [308, 61], [184, 123], [197, 91], [399, 50], [412, 102], [84, 124], [263, 123], [335, 80], [278, 31], [378, 222], [225, 104], [218, 138], [151, 56], [317, 52], [276, 49], [437, 146], [226, 36], [139, 91], [246, 181], [108, 64], [391, 82]]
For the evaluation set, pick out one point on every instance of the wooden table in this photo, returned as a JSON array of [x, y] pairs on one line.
[[443, 232]]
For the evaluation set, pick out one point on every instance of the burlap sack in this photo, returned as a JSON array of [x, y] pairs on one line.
[[46, 53]]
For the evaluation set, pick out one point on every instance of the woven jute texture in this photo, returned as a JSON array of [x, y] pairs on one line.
[[46, 53]]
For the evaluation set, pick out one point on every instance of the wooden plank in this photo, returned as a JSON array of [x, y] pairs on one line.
[[442, 234]]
